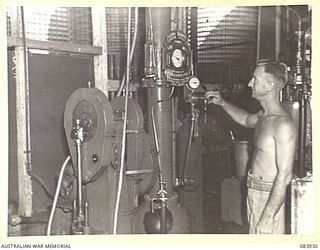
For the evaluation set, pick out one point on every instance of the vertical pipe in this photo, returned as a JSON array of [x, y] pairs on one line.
[[302, 135], [124, 136], [163, 220], [27, 93], [187, 153], [22, 89], [160, 18], [287, 24], [193, 39], [174, 137], [258, 35], [80, 212], [163, 125], [278, 37], [278, 32]]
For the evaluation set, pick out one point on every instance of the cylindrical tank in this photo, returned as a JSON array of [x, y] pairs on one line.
[[157, 97], [160, 20]]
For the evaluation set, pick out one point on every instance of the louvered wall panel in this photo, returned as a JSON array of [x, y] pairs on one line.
[[237, 27], [225, 38], [117, 27], [63, 24]]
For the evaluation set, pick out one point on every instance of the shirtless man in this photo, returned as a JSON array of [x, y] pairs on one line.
[[275, 144]]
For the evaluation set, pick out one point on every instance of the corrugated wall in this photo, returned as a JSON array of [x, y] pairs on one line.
[[226, 43], [117, 19], [63, 24]]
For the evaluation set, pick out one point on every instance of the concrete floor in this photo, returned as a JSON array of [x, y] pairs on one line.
[[213, 224]]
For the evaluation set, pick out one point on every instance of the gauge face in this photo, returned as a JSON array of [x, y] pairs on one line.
[[194, 83], [177, 58]]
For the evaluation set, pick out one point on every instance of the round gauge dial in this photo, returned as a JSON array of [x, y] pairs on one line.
[[194, 83], [177, 58]]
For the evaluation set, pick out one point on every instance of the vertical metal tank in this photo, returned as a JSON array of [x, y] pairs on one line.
[[158, 89]]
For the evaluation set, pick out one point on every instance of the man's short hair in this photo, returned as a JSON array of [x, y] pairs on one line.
[[277, 70]]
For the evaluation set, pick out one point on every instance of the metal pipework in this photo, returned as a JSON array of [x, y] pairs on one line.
[[161, 126], [158, 90], [162, 194], [159, 219], [78, 136], [86, 228], [159, 26], [194, 132], [160, 120], [298, 76], [193, 98], [303, 97]]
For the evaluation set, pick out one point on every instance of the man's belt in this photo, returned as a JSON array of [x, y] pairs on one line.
[[259, 184]]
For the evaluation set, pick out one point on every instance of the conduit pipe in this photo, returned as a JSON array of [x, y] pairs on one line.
[[55, 200], [123, 143], [132, 48]]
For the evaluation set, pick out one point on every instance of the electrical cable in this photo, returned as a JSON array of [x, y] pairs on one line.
[[132, 48], [55, 200], [27, 94], [27, 107], [123, 148], [42, 185]]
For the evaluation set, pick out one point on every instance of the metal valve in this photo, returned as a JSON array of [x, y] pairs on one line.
[[159, 219], [78, 134]]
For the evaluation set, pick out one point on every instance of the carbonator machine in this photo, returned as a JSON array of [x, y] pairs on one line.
[[122, 178]]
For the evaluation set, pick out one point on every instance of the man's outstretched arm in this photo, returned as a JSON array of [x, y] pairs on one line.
[[239, 115]]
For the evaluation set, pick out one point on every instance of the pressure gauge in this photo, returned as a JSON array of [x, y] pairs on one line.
[[177, 58], [193, 83]]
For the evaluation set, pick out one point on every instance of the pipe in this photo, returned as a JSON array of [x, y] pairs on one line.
[[299, 80], [163, 219], [27, 94], [186, 158], [160, 20], [299, 45], [174, 137], [132, 48], [162, 113], [123, 144], [27, 105], [302, 136], [79, 170], [278, 32], [55, 200], [155, 134], [258, 35]]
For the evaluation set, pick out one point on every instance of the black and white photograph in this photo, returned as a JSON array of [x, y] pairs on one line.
[[190, 120]]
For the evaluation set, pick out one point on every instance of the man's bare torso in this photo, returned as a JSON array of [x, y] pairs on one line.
[[264, 161]]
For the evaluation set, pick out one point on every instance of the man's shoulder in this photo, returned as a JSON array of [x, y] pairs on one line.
[[284, 124]]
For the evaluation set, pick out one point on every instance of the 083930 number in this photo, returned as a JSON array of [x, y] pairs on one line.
[[308, 245]]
